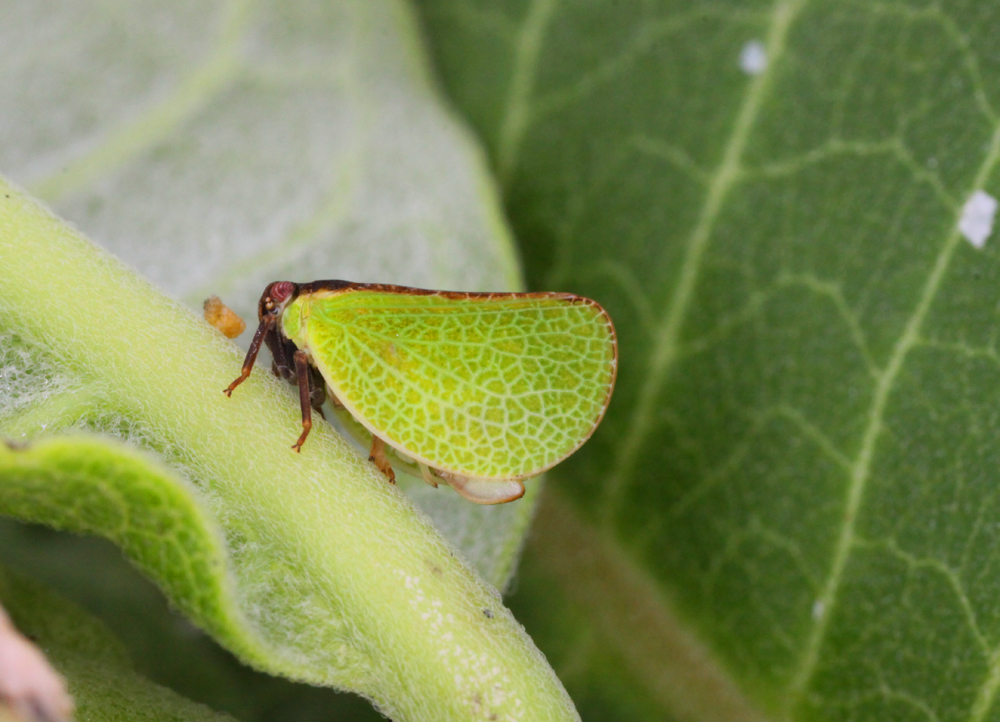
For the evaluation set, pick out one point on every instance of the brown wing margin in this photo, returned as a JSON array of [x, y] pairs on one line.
[[337, 285]]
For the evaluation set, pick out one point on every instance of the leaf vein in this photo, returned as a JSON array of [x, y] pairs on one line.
[[517, 113], [190, 94], [666, 343], [863, 463]]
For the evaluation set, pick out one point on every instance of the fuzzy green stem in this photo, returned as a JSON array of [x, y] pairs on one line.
[[321, 548]]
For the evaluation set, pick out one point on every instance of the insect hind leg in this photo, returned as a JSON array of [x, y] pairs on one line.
[[302, 373], [378, 457]]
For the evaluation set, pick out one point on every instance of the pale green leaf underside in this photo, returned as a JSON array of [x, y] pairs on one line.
[[489, 387], [97, 670], [218, 146], [802, 455]]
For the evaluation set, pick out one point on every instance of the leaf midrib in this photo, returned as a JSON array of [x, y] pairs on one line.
[[666, 346], [157, 122], [517, 111]]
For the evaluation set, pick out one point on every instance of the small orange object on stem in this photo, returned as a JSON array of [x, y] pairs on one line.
[[223, 318]]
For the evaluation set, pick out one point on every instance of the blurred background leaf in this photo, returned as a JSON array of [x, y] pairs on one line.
[[791, 508], [217, 147]]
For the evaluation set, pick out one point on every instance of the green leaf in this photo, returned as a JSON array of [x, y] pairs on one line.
[[96, 668], [216, 148], [333, 579], [796, 480], [164, 646]]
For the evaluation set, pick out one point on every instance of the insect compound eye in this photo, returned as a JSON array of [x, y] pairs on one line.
[[281, 291]]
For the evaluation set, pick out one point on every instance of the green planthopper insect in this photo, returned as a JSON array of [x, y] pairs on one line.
[[479, 390]]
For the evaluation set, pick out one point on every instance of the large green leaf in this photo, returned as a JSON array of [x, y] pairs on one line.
[[796, 480], [216, 147]]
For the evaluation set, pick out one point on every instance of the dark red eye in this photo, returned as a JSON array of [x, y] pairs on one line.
[[281, 291]]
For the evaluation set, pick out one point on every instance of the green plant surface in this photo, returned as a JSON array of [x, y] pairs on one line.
[[216, 147], [337, 580], [164, 645], [796, 482], [95, 665]]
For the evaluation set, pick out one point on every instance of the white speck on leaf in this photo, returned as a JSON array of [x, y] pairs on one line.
[[976, 223], [753, 58], [818, 609]]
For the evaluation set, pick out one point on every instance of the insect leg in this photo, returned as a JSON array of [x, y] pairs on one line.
[[317, 390], [302, 372], [282, 353], [283, 366], [378, 457], [251, 357], [427, 475]]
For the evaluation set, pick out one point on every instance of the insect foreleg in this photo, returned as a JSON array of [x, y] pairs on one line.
[[251, 356]]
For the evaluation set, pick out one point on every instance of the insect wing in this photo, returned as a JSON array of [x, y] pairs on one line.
[[489, 386]]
